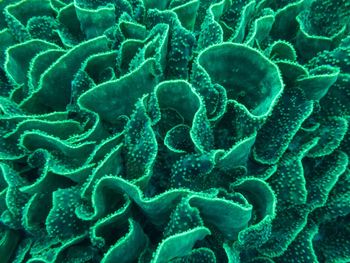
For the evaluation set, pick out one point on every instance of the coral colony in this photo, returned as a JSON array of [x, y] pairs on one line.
[[182, 131]]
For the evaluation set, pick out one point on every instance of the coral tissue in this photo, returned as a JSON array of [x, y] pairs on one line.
[[182, 131]]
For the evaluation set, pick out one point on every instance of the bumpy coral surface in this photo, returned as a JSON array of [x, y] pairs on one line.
[[195, 131]]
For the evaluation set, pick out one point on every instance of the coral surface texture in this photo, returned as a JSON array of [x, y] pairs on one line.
[[174, 131]]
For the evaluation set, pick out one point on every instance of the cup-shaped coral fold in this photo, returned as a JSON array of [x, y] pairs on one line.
[[257, 88]]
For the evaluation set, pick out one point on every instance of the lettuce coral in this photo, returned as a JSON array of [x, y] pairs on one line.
[[174, 131]]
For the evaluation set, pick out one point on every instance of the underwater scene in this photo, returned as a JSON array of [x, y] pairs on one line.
[[174, 131]]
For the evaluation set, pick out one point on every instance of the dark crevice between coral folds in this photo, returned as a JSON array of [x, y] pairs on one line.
[[174, 131]]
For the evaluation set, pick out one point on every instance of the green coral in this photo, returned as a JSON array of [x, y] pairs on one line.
[[174, 131]]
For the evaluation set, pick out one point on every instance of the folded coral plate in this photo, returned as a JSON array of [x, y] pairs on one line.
[[181, 131]]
